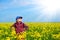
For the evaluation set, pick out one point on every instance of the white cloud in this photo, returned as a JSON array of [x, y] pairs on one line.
[[14, 3], [49, 8], [19, 3]]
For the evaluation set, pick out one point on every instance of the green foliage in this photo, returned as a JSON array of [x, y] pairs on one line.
[[37, 31]]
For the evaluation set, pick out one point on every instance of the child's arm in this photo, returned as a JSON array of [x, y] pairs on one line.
[[26, 27], [11, 27]]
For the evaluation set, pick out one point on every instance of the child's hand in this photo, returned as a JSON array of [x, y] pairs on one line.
[[24, 29], [13, 28]]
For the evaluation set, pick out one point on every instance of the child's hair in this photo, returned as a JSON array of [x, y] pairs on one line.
[[19, 17]]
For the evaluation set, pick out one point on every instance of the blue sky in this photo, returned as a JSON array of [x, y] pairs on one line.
[[30, 10]]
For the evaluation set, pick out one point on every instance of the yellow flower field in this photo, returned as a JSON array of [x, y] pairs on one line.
[[37, 31]]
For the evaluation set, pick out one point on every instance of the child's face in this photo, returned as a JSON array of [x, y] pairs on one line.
[[19, 20]]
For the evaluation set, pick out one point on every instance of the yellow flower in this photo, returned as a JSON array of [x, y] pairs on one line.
[[37, 34], [7, 38], [6, 32], [13, 33], [56, 36], [1, 31], [21, 35]]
